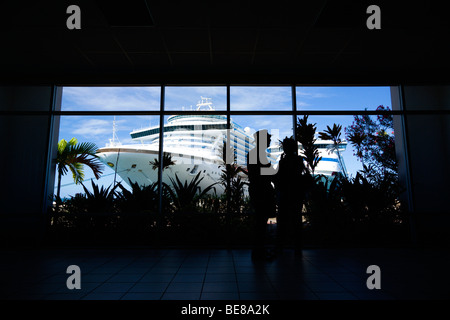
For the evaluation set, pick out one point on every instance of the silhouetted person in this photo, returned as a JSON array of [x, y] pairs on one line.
[[262, 193], [290, 191]]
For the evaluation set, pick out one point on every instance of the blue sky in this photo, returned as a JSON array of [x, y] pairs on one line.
[[98, 129]]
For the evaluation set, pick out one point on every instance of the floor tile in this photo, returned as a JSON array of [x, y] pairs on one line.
[[142, 296], [99, 277], [191, 270], [325, 286], [259, 296], [125, 278], [113, 287], [211, 277], [220, 270], [103, 296], [219, 296], [195, 277], [302, 295], [86, 287], [181, 296], [64, 296], [155, 277], [169, 270], [149, 287], [250, 286], [185, 287], [336, 296], [218, 287]]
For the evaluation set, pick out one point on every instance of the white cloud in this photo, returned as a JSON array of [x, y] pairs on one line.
[[301, 104], [178, 98], [111, 98], [93, 127], [261, 98], [311, 94]]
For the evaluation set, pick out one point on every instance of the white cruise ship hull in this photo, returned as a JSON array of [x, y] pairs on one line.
[[132, 163], [135, 163]]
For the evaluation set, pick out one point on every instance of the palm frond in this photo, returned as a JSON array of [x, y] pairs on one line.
[[77, 172]]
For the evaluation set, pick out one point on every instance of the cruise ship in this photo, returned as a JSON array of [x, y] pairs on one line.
[[195, 144]]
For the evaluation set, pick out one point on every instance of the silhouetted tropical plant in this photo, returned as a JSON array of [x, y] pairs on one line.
[[373, 140], [184, 195], [305, 134], [334, 134], [373, 199], [139, 199], [100, 199], [237, 199], [232, 182], [73, 156]]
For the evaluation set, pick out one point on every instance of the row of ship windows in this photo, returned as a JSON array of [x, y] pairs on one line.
[[195, 138], [221, 126], [179, 128], [198, 116]]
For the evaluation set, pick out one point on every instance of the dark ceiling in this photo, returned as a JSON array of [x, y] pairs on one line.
[[145, 42]]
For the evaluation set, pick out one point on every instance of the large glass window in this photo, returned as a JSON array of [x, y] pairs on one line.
[[344, 134]]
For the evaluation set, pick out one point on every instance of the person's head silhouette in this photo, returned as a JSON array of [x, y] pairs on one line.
[[262, 138], [289, 146]]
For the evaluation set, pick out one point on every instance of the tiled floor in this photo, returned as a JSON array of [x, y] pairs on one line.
[[217, 274]]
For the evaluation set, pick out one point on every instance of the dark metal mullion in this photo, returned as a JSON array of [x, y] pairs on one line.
[[48, 151], [226, 154], [218, 112], [161, 153], [231, 112], [406, 154], [294, 110]]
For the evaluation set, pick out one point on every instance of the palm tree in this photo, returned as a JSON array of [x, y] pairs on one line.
[[357, 140], [167, 162], [334, 134], [72, 156]]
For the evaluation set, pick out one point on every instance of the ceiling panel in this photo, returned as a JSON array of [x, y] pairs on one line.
[[139, 39], [234, 40], [186, 40]]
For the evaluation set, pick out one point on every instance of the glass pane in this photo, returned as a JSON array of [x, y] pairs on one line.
[[260, 98], [278, 127], [342, 98], [195, 98], [194, 145], [111, 98], [195, 203], [377, 148], [356, 195], [125, 153], [331, 163]]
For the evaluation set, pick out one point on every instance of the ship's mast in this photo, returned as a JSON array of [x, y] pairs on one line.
[[206, 102], [112, 142]]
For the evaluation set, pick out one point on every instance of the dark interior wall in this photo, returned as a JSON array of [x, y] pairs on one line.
[[428, 136], [24, 128]]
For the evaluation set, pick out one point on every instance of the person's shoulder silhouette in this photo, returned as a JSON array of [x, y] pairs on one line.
[[291, 166], [260, 174], [257, 158]]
